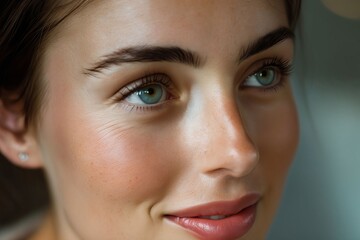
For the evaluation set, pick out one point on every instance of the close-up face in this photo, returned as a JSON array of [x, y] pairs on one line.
[[168, 119]]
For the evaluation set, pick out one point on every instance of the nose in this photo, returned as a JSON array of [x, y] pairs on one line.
[[223, 146]]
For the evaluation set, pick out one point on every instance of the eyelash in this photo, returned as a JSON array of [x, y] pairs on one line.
[[149, 78], [282, 67]]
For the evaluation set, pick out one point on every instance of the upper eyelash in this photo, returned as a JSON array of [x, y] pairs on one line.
[[142, 82], [283, 65]]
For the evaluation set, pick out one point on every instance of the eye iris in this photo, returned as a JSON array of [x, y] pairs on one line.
[[265, 77], [151, 94]]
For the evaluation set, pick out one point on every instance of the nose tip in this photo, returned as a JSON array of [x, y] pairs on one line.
[[237, 158], [230, 148], [241, 161]]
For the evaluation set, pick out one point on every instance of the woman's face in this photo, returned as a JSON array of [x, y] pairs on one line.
[[168, 119]]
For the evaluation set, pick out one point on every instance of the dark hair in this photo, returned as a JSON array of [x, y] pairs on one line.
[[25, 27], [293, 8]]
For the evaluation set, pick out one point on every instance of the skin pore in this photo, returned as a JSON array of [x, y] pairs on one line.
[[116, 166]]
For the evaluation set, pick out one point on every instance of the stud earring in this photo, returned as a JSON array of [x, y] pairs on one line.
[[23, 156]]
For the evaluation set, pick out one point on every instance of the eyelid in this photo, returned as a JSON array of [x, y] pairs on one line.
[[136, 85], [282, 64], [282, 67], [257, 84], [147, 79]]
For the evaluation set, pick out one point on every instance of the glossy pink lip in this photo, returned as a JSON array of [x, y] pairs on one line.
[[240, 216]]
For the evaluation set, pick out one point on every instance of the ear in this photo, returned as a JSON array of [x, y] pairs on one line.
[[17, 144]]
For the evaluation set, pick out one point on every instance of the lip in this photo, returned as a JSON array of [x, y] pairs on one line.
[[240, 217]]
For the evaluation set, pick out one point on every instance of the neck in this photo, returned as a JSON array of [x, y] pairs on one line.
[[46, 229]]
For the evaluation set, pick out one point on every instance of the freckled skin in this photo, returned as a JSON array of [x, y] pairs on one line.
[[114, 173]]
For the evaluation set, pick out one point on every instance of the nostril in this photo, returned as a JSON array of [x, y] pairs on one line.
[[243, 162], [230, 161]]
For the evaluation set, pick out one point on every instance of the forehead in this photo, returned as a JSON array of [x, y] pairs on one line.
[[200, 25], [164, 17]]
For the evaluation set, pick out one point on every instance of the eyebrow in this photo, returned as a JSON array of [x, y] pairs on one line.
[[266, 42], [146, 53]]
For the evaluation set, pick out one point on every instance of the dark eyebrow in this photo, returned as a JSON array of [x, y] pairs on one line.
[[179, 55], [146, 54], [266, 42]]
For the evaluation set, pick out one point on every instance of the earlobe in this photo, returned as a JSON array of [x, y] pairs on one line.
[[17, 143]]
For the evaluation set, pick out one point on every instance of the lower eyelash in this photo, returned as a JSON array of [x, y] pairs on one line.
[[283, 81], [131, 88], [142, 82], [282, 67], [138, 108]]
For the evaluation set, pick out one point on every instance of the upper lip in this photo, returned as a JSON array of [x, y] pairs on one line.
[[218, 208]]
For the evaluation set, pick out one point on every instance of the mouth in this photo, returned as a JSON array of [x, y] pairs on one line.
[[226, 220]]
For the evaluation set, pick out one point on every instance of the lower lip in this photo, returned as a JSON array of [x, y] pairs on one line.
[[228, 228]]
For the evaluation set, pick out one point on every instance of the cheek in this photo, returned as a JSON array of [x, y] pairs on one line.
[[274, 130], [99, 158], [88, 149], [281, 140], [120, 163], [277, 139]]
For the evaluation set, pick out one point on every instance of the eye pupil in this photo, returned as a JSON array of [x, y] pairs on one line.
[[265, 77], [151, 94], [150, 91]]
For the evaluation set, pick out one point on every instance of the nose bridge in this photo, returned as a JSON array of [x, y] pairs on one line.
[[229, 147]]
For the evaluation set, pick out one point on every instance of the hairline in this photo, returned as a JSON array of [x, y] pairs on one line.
[[56, 18]]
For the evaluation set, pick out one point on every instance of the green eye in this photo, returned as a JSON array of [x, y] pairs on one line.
[[148, 95], [264, 78]]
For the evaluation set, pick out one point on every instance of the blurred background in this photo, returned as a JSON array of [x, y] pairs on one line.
[[322, 196]]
